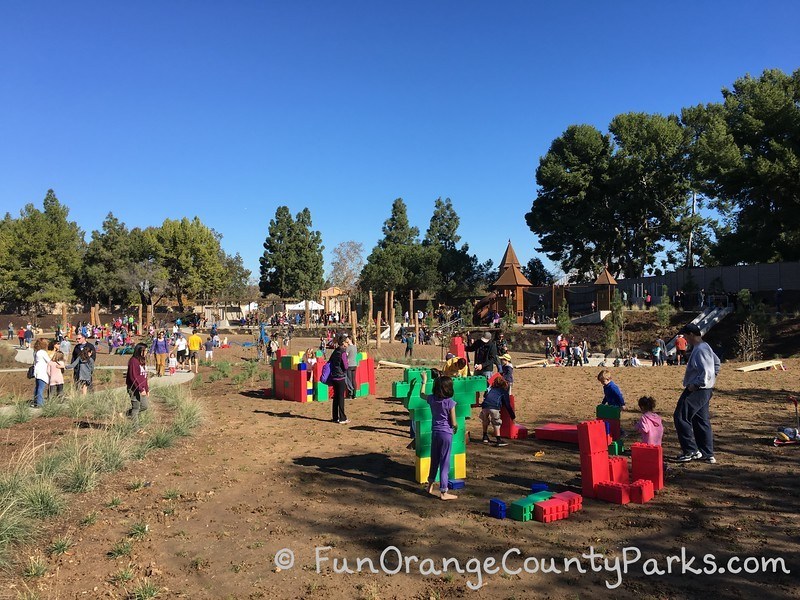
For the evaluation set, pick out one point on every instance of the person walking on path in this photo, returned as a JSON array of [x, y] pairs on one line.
[[136, 382], [692, 420], [21, 337], [193, 343], [41, 360], [338, 379], [160, 350]]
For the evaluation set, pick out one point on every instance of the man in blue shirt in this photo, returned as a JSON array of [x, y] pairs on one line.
[[692, 421]]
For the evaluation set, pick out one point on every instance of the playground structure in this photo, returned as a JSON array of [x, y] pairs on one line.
[[292, 379]]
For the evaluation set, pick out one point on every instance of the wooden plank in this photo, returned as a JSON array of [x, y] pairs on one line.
[[386, 363], [534, 363], [767, 364]]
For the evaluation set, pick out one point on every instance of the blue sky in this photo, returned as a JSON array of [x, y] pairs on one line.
[[227, 110]]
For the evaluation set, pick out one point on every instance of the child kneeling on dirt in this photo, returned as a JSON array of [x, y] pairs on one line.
[[496, 397], [612, 395]]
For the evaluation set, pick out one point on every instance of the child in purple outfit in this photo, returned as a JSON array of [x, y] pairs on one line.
[[443, 426]]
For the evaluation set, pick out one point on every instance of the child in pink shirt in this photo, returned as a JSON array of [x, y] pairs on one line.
[[649, 425]]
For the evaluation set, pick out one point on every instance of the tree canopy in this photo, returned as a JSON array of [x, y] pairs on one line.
[[292, 263]]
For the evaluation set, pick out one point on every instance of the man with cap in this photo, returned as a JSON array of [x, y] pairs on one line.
[[692, 421], [486, 358]]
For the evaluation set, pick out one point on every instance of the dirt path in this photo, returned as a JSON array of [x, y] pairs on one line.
[[262, 475]]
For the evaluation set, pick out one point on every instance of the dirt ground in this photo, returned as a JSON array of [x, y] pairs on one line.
[[262, 475]]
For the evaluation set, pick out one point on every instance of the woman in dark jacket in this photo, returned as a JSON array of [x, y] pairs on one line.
[[338, 379], [136, 381]]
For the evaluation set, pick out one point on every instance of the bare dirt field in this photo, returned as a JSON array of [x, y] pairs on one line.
[[262, 475]]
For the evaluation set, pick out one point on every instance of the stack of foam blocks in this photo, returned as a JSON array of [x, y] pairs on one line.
[[457, 347], [464, 390], [292, 380], [543, 506], [510, 429], [610, 415], [607, 478]]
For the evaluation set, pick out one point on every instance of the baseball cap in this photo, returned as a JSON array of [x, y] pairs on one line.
[[691, 328]]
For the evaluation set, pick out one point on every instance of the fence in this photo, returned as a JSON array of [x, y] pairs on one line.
[[760, 278]]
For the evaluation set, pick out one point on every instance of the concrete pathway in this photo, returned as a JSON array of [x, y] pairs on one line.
[[26, 356]]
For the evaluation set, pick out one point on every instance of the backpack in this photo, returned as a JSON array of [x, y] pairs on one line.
[[326, 373], [30, 372]]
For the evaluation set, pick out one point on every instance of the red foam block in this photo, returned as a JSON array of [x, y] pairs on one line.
[[618, 469], [641, 491], [557, 432], [574, 501], [551, 510], [616, 493]]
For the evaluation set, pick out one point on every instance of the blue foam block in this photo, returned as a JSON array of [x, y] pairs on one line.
[[497, 508], [538, 486], [456, 484]]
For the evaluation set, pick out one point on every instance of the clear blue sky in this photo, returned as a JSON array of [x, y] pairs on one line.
[[230, 109]]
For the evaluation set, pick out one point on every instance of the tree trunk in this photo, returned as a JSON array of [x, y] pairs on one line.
[[378, 337], [391, 316], [369, 318]]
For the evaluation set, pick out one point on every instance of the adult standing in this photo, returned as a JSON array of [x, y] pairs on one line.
[[662, 345], [680, 349], [80, 343], [692, 420], [486, 358], [10, 331], [352, 356], [338, 378], [41, 360], [160, 349], [193, 343], [180, 351], [136, 381]]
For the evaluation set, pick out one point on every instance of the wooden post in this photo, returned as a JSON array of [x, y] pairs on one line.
[[139, 322], [378, 337], [353, 325], [411, 312], [391, 316], [369, 319], [386, 304], [308, 316]]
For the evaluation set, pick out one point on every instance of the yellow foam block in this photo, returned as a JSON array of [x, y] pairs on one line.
[[423, 467], [461, 466]]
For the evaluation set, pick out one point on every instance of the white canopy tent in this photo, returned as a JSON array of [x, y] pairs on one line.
[[301, 306]]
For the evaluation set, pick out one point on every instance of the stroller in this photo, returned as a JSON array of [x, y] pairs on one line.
[[788, 436]]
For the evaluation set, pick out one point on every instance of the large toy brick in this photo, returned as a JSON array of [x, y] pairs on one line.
[[457, 347], [302, 366], [288, 362], [641, 491], [540, 496], [459, 441], [547, 511], [605, 411], [521, 510], [463, 411], [592, 436], [458, 464], [456, 484], [594, 470], [557, 432], [363, 390], [616, 448], [497, 508], [618, 469], [613, 428], [648, 463], [616, 493], [539, 486], [423, 467], [400, 389], [574, 501], [322, 392]]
